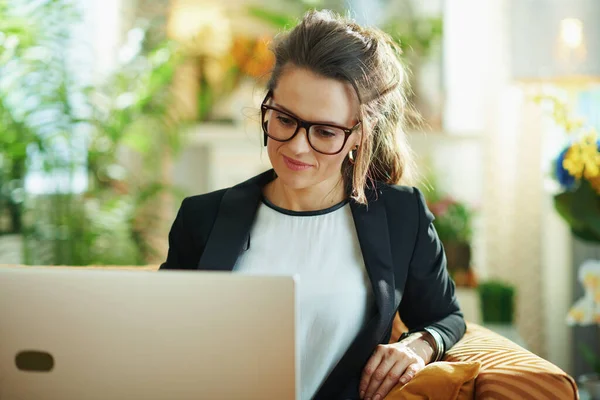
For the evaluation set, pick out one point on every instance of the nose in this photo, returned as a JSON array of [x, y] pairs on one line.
[[299, 144]]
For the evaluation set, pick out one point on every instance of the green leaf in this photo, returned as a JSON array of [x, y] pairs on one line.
[[136, 139], [275, 19], [581, 210], [205, 100]]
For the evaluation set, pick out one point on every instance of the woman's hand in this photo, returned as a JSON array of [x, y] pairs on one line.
[[393, 363]]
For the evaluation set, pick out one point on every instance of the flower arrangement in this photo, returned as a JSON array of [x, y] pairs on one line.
[[222, 60], [577, 171]]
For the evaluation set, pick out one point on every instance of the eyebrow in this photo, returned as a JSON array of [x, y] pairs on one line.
[[287, 110]]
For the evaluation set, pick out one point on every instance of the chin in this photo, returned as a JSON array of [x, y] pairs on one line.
[[295, 179]]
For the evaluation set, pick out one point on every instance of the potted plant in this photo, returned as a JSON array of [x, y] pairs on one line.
[[453, 223], [497, 302]]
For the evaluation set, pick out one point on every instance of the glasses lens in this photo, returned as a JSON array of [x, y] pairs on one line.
[[279, 126], [326, 139]]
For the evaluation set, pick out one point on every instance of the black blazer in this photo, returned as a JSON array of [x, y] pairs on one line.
[[402, 253]]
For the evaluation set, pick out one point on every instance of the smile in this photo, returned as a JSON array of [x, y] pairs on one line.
[[295, 165]]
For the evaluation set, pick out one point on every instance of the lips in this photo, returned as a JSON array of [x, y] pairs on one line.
[[295, 164]]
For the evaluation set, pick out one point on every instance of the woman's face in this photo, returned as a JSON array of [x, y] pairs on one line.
[[312, 98]]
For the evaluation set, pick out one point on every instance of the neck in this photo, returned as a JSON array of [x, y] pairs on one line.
[[317, 197]]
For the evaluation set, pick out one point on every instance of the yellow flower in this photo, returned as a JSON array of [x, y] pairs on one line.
[[583, 158], [573, 161]]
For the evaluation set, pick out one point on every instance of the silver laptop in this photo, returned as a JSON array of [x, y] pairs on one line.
[[94, 335]]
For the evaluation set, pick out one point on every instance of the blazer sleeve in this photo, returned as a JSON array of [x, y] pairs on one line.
[[429, 299], [183, 254]]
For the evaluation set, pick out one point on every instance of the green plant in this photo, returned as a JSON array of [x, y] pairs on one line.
[[416, 34], [17, 135], [453, 218], [138, 119], [119, 132], [453, 224], [497, 302]]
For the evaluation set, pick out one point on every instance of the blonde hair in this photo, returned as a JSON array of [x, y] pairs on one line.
[[337, 47]]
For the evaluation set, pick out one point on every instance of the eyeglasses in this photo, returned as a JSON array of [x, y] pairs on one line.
[[283, 127]]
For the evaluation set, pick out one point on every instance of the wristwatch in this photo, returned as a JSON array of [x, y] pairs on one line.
[[437, 344]]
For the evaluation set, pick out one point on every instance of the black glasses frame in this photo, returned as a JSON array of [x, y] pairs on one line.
[[300, 123]]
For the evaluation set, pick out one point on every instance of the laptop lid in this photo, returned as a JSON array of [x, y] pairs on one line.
[[93, 334]]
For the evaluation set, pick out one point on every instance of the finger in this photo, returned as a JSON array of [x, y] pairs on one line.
[[410, 373], [368, 371], [379, 376], [391, 380]]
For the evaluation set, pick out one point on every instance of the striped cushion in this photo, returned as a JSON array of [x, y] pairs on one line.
[[508, 371]]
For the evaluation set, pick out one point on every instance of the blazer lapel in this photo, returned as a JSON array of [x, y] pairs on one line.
[[373, 235], [233, 224]]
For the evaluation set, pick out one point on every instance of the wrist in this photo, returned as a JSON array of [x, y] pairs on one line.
[[422, 343], [431, 337]]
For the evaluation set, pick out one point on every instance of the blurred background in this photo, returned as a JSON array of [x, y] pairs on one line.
[[112, 111]]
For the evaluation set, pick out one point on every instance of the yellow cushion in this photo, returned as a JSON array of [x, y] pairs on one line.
[[440, 381]]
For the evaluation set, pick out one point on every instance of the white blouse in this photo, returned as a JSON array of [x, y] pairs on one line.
[[335, 297]]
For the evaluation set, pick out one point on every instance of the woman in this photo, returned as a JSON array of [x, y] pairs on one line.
[[330, 211]]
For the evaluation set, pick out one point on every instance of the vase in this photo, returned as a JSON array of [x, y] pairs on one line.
[[458, 255], [591, 384], [586, 335]]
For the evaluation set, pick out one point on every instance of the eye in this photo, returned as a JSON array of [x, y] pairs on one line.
[[285, 120], [325, 132]]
